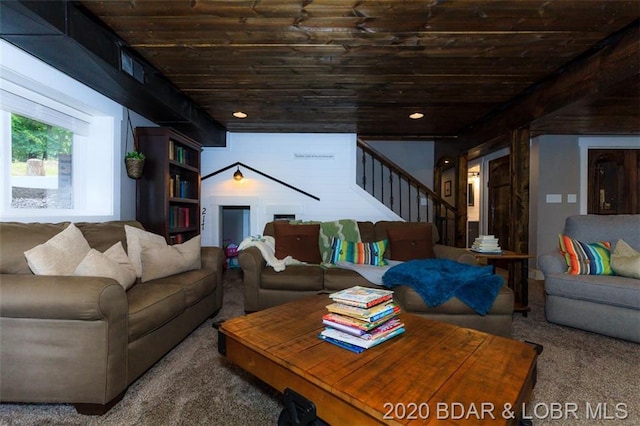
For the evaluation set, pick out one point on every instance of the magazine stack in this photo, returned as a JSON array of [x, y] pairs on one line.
[[360, 318]]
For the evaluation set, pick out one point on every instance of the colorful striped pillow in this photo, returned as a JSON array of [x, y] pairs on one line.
[[586, 258], [358, 252]]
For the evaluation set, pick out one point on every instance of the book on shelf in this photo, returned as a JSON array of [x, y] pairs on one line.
[[179, 153], [179, 187], [362, 297], [179, 217], [177, 239]]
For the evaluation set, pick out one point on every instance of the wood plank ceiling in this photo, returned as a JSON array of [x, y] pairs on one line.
[[364, 66]]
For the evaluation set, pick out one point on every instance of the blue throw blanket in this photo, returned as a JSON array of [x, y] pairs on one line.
[[438, 280]]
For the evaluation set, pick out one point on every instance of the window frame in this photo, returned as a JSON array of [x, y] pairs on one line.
[[96, 169]]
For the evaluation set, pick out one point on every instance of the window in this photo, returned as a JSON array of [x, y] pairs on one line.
[[41, 165], [60, 141]]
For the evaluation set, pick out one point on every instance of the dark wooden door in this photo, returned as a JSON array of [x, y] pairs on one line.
[[614, 183], [499, 190]]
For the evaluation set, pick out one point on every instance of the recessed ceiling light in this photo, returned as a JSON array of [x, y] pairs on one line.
[[416, 116], [240, 114]]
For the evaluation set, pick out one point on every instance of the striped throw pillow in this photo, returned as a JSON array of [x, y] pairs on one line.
[[586, 258], [358, 252]]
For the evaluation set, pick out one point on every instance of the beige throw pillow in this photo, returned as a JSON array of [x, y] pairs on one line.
[[60, 255], [113, 263], [625, 260], [161, 261], [135, 237]]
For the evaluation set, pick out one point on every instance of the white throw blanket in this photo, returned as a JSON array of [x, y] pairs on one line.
[[267, 246], [371, 273]]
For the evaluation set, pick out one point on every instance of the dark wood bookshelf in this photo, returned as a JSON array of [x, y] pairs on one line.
[[168, 193]]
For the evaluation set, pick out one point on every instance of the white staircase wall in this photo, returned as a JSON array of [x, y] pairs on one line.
[[323, 165]]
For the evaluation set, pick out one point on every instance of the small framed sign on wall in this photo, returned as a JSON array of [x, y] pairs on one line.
[[447, 188], [470, 195]]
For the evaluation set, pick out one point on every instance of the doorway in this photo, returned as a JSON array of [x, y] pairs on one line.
[[614, 181], [473, 204], [482, 171], [234, 224]]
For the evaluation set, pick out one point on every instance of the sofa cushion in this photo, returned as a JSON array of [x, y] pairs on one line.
[[408, 241], [17, 237], [608, 289], [593, 227], [196, 284], [134, 236], [151, 306], [298, 241], [358, 252], [60, 255], [102, 235], [113, 263], [162, 260], [340, 278], [586, 258], [295, 277], [625, 260], [367, 231]]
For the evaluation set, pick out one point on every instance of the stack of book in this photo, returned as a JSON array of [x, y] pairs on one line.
[[486, 244], [360, 318]]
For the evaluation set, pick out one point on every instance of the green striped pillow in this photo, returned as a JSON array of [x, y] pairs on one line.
[[358, 252], [586, 258]]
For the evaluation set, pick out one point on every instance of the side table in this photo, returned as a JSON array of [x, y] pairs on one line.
[[521, 292]]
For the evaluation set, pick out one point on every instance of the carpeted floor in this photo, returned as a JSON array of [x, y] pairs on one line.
[[580, 374]]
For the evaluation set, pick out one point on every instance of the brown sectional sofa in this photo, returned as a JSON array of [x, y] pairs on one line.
[[264, 287], [84, 340]]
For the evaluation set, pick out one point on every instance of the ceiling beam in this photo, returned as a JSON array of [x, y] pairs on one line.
[[614, 65], [66, 36]]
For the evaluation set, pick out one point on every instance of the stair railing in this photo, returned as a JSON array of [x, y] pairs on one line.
[[404, 194]]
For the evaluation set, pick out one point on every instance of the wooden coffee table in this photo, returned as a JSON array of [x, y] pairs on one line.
[[434, 373]]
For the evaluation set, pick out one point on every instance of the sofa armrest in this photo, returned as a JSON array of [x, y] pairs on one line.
[[252, 264], [458, 254], [61, 297], [64, 339], [213, 258], [552, 263]]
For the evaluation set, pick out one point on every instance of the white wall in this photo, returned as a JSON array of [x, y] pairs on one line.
[[323, 165]]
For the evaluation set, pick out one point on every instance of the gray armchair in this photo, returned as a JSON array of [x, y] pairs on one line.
[[604, 304]]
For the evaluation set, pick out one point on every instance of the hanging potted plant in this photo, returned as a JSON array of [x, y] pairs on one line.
[[134, 162]]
